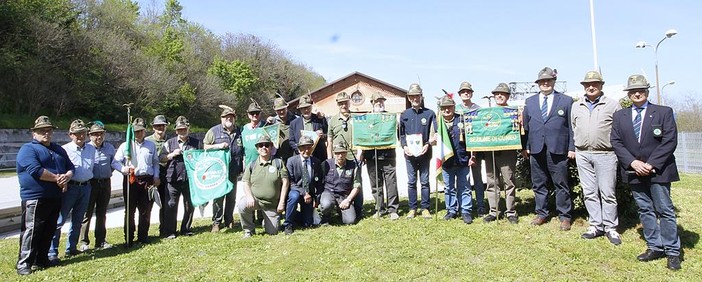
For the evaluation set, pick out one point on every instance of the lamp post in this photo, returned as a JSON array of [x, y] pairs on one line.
[[668, 34], [664, 85]]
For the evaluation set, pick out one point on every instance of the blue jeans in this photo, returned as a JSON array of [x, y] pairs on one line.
[[292, 217], [75, 201], [456, 180], [421, 164], [661, 234]]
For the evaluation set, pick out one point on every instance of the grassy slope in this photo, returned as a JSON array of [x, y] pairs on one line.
[[383, 250]]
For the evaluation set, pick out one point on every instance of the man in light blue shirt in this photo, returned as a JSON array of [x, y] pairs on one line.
[[76, 197], [101, 188]]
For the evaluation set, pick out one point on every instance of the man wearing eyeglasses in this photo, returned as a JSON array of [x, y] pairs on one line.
[[340, 131], [43, 170], [644, 138], [159, 137], [255, 121], [265, 188]]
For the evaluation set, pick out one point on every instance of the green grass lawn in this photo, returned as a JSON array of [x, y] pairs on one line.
[[375, 250]]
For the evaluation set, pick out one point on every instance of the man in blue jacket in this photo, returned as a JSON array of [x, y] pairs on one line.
[[549, 144], [644, 137], [43, 169]]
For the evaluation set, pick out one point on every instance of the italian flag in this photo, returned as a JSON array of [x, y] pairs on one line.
[[443, 148]]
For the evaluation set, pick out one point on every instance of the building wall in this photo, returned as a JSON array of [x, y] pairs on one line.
[[360, 89]]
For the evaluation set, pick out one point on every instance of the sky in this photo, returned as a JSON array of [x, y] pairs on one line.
[[442, 43]]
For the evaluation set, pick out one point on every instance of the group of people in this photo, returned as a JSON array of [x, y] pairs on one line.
[[303, 172]]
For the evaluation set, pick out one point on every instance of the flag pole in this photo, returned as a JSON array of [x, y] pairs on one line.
[[129, 162], [496, 187], [436, 179]]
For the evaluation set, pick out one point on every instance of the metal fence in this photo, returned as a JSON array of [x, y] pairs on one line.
[[688, 155]]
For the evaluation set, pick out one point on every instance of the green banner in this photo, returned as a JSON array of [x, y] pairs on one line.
[[273, 132], [208, 174], [492, 129], [374, 131]]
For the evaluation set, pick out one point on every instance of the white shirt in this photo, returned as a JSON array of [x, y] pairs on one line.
[[144, 158], [549, 102], [643, 114]]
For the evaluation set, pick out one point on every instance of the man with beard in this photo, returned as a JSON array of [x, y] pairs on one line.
[[381, 170], [226, 135], [43, 170]]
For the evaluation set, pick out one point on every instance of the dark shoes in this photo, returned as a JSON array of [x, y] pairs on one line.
[[513, 219], [673, 263], [72, 253], [592, 233], [538, 221], [565, 224], [650, 255], [289, 230], [489, 218], [53, 261], [449, 216], [482, 211], [467, 219]]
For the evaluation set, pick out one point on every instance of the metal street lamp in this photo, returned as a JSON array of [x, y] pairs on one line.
[[664, 85], [668, 34]]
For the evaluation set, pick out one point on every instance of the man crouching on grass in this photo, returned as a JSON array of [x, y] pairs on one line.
[[265, 186], [342, 182]]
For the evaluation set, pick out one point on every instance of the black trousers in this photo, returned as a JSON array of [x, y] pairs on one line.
[[175, 190], [162, 192], [385, 175], [39, 219], [99, 199], [138, 199]]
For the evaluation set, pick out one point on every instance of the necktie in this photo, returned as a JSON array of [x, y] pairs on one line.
[[637, 124], [544, 108], [305, 176]]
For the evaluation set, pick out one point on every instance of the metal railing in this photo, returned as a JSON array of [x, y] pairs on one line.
[[688, 155]]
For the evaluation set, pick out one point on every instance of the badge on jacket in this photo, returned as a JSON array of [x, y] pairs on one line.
[[561, 112], [657, 131], [424, 121]]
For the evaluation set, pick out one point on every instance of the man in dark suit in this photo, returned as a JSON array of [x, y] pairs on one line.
[[549, 144], [644, 138], [310, 122], [306, 180]]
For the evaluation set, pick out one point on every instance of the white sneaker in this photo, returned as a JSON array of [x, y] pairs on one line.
[[84, 247], [614, 237]]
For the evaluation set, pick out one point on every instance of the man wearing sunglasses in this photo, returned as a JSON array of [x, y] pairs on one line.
[[265, 188]]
